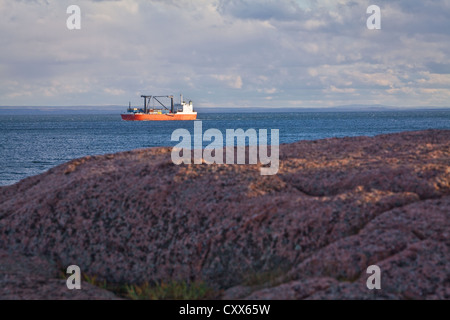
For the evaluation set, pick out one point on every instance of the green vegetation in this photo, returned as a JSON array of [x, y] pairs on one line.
[[172, 290], [95, 282], [266, 278]]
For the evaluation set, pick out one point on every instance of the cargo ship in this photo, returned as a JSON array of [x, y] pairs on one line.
[[182, 111]]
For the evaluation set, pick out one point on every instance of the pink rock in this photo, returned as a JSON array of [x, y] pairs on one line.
[[335, 207]]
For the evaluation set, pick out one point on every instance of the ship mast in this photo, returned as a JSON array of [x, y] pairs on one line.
[[145, 102]]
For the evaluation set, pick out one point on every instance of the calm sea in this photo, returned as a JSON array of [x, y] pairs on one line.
[[32, 144]]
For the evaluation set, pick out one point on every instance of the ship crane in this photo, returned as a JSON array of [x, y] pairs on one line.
[[147, 100]]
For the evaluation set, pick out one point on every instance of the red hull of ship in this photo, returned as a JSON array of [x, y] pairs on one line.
[[157, 117]]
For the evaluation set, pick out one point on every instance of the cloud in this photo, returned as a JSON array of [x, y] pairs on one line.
[[232, 81], [225, 52], [261, 10], [440, 68], [114, 91], [333, 89]]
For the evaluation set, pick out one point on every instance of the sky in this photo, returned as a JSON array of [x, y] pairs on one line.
[[226, 53]]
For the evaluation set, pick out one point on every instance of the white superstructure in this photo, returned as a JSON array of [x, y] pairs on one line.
[[185, 108]]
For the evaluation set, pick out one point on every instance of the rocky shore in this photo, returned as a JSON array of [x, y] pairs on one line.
[[335, 207]]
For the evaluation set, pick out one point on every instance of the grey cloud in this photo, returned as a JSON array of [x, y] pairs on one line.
[[282, 54], [439, 68], [260, 10]]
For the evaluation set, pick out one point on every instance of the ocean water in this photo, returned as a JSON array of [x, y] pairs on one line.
[[32, 144]]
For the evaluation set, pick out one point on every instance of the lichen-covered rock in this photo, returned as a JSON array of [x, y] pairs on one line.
[[335, 207], [36, 278]]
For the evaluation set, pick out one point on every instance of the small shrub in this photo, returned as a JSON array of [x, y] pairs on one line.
[[267, 278], [172, 290], [95, 282]]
